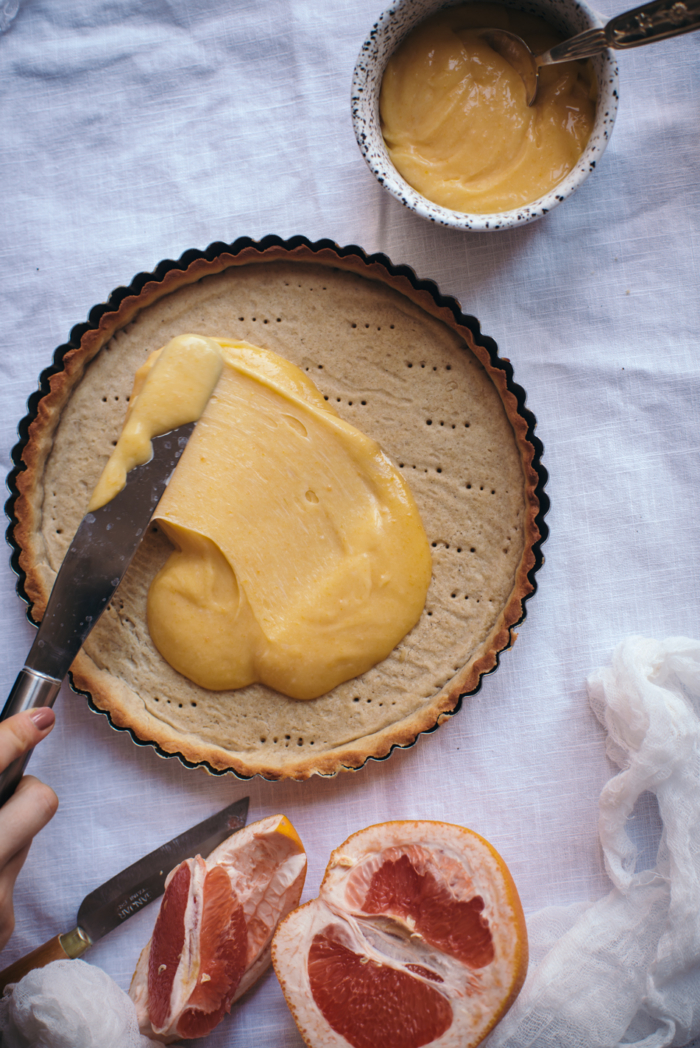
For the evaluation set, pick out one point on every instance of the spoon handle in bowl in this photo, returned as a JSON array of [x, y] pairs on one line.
[[583, 45], [643, 25], [655, 21]]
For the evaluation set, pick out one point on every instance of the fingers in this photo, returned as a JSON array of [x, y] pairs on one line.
[[27, 811], [32, 805], [22, 732], [8, 876]]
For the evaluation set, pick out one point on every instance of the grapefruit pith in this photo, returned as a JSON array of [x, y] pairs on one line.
[[417, 938], [213, 934]]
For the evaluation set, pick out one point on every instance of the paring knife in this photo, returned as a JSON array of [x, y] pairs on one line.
[[132, 889], [103, 547]]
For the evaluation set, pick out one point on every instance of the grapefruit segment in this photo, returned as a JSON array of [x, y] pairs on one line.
[[167, 943], [223, 945], [456, 927], [213, 934], [417, 938], [370, 1003]]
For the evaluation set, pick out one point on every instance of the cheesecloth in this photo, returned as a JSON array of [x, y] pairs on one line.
[[69, 1004], [625, 970]]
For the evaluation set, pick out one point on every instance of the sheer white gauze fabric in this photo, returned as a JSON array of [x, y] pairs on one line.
[[69, 1004], [625, 970]]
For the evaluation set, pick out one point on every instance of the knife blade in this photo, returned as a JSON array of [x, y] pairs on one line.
[[97, 559], [119, 898]]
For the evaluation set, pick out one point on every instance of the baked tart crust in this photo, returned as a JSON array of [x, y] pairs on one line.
[[394, 358]]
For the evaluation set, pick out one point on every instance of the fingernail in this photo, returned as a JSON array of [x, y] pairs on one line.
[[43, 717]]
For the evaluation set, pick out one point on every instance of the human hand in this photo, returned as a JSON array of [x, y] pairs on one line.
[[31, 806]]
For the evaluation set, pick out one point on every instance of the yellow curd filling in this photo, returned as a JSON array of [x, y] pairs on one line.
[[163, 397], [455, 117], [300, 558]]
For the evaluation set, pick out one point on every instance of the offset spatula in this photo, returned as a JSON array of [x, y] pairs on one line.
[[132, 889], [103, 547]]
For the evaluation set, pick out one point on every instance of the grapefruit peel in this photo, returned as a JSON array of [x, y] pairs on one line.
[[417, 938], [212, 938]]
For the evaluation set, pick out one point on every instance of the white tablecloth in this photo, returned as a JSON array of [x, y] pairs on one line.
[[134, 131]]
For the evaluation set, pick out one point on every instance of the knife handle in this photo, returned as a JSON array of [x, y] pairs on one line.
[[60, 948], [30, 690]]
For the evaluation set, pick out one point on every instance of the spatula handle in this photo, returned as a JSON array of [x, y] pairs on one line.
[[30, 690]]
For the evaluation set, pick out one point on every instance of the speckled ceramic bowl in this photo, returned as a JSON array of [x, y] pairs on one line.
[[567, 16]]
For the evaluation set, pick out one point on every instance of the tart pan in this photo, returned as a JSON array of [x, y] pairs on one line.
[[396, 358]]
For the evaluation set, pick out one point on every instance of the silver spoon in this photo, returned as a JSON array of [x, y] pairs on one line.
[[643, 25]]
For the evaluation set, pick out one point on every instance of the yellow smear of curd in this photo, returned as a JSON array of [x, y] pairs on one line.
[[455, 117], [300, 558], [168, 394]]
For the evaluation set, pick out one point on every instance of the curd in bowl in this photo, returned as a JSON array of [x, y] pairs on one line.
[[443, 122]]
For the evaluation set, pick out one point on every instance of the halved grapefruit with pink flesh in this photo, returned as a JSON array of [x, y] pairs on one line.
[[417, 938], [213, 934]]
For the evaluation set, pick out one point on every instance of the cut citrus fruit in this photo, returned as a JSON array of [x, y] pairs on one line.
[[213, 934], [417, 938]]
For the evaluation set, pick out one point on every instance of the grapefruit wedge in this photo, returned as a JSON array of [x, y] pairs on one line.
[[213, 934], [417, 938]]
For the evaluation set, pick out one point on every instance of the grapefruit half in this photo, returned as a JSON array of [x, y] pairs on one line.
[[213, 934], [417, 938]]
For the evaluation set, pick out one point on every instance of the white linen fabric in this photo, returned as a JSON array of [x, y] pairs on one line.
[[8, 10], [626, 969], [134, 130]]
